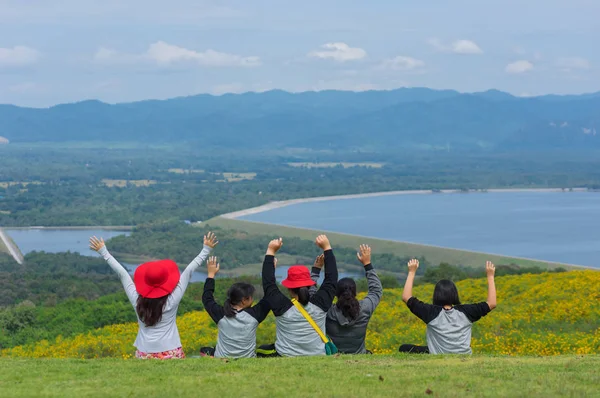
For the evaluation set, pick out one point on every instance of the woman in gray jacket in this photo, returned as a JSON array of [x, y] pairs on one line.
[[348, 319]]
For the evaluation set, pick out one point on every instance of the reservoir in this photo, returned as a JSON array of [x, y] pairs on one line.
[[551, 226]]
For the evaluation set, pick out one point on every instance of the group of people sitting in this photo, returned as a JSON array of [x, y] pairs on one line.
[[308, 322]]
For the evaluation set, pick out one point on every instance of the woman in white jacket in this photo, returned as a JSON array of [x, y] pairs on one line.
[[155, 293]]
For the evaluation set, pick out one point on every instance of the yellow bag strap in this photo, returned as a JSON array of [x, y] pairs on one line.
[[310, 320]]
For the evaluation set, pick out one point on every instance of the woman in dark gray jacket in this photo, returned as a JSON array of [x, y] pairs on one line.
[[347, 320]]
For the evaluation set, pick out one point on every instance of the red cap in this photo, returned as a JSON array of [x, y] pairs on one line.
[[156, 278], [298, 276]]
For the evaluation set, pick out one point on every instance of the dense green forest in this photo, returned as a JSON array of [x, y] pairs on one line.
[[47, 278], [236, 249], [28, 322], [124, 186]]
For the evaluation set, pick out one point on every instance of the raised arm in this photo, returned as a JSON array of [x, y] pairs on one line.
[[490, 269], [410, 280], [210, 241], [277, 301], [215, 310], [315, 274], [99, 246], [326, 293], [371, 301]]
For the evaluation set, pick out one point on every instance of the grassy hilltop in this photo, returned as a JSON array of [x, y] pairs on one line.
[[342, 376]]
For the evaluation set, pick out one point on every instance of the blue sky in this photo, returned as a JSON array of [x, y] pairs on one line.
[[55, 51]]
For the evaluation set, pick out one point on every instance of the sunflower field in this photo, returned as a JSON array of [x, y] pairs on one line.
[[537, 314]]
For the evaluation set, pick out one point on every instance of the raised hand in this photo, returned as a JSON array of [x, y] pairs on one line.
[[323, 242], [413, 265], [319, 261], [212, 267], [274, 246], [364, 254], [490, 268], [96, 244], [210, 240]]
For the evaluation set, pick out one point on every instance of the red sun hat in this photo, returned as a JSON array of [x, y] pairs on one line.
[[156, 278], [298, 276]]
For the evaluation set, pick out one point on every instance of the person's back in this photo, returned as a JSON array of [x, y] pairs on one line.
[[236, 319], [163, 334], [348, 335], [295, 336], [448, 321], [237, 336], [448, 330], [347, 320], [155, 293]]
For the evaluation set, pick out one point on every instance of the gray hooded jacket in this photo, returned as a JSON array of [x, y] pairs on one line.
[[349, 335]]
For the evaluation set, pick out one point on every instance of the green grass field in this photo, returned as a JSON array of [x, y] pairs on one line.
[[341, 376], [434, 254]]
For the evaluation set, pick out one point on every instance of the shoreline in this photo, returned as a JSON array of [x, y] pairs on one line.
[[553, 263], [284, 203]]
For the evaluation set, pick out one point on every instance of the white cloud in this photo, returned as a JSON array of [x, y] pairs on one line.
[[466, 47], [402, 63], [165, 54], [518, 67], [340, 52], [569, 64], [18, 56], [105, 55], [462, 47]]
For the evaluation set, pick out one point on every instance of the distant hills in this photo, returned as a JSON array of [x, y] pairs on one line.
[[410, 118]]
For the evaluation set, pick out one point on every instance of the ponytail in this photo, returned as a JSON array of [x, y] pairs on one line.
[[347, 302], [228, 308], [236, 293], [303, 294]]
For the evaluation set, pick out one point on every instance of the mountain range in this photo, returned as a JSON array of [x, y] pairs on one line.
[[407, 118]]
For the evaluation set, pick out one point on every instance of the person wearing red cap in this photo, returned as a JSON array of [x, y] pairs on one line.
[[155, 293], [295, 336]]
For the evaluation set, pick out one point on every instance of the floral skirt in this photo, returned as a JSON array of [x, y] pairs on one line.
[[177, 353]]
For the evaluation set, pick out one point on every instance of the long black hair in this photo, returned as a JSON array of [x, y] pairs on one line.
[[347, 302], [302, 293], [445, 293], [150, 310], [236, 293]]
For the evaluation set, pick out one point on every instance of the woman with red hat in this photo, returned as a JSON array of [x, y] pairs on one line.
[[295, 335], [155, 293]]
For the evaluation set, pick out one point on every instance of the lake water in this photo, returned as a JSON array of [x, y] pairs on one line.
[[76, 240], [59, 240], [551, 226]]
